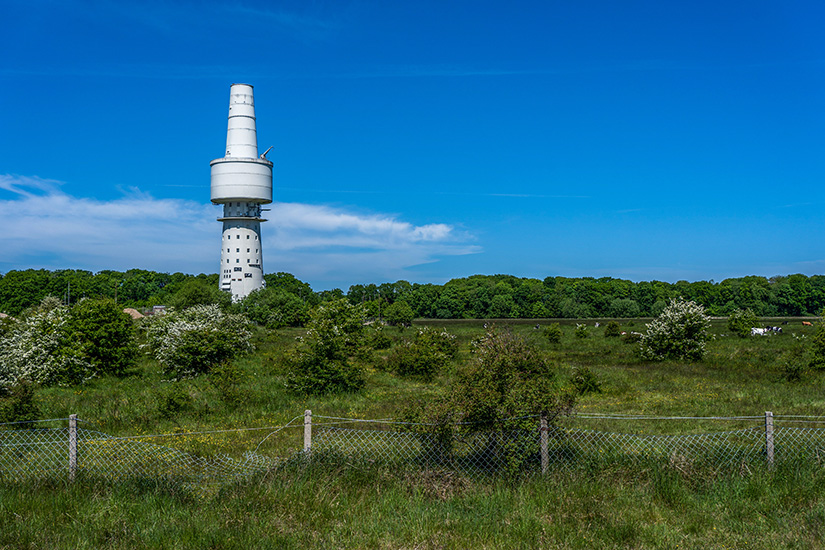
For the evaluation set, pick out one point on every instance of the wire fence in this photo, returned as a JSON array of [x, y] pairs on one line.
[[70, 450]]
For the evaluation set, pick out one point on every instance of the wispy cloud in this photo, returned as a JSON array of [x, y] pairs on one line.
[[44, 227]]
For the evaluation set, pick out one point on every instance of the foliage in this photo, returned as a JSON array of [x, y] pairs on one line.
[[631, 337], [679, 332], [477, 296], [612, 330], [581, 330], [41, 348], [553, 333], [377, 338], [741, 322], [399, 313], [20, 405], [227, 378], [273, 308], [505, 384], [425, 356], [324, 361], [817, 360], [174, 401], [585, 381], [199, 292], [192, 341], [104, 335], [794, 361]]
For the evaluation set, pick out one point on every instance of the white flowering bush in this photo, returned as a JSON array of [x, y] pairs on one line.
[[679, 332], [40, 348], [192, 341]]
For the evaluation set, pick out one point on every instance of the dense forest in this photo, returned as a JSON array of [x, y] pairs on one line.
[[475, 297]]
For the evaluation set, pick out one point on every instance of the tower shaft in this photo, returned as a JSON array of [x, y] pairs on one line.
[[241, 182]]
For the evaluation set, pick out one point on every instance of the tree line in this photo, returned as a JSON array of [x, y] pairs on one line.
[[287, 299]]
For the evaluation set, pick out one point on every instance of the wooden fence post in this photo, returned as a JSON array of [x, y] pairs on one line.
[[769, 436], [545, 455], [72, 446], [307, 431]]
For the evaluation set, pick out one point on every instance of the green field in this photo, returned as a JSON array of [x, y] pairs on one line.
[[353, 504]]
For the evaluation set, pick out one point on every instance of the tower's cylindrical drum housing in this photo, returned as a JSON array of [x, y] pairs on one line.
[[241, 182], [241, 179]]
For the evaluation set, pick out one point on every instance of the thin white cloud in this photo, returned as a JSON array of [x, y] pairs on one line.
[[44, 227]]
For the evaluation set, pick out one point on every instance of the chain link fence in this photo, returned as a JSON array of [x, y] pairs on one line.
[[561, 447], [32, 451]]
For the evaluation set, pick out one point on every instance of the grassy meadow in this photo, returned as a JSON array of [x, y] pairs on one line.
[[335, 504]]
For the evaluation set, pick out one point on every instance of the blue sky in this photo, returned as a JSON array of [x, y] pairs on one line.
[[421, 140]]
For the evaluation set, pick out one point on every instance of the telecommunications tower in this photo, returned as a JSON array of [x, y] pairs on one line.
[[241, 182]]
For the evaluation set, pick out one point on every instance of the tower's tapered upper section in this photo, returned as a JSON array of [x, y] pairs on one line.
[[241, 175], [241, 136]]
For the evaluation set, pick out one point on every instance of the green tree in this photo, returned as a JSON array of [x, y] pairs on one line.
[[741, 322], [324, 362], [103, 335], [198, 292], [399, 313], [273, 308]]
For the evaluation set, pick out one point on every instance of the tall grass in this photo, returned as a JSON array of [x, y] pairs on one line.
[[360, 505], [324, 505]]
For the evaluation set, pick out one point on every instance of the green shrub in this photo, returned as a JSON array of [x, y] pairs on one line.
[[103, 335], [273, 308], [632, 337], [612, 330], [678, 333], [499, 391], [325, 359], [817, 361], [377, 338], [190, 342], [416, 360], [585, 381], [441, 340], [227, 378], [741, 322], [794, 362], [553, 333], [198, 292], [399, 313], [175, 401], [425, 356], [20, 404]]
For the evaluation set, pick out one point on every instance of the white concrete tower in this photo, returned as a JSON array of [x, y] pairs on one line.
[[241, 182]]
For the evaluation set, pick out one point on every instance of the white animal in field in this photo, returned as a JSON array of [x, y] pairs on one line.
[[759, 331]]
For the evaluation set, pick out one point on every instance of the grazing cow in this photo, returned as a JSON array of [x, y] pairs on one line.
[[807, 324], [597, 324], [759, 331], [784, 322], [537, 326]]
